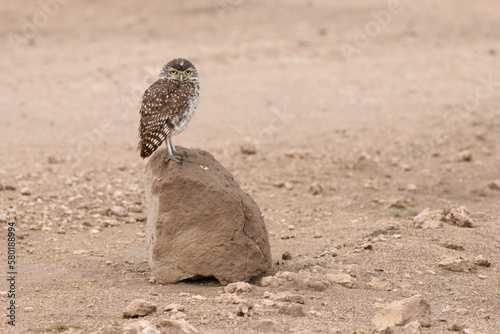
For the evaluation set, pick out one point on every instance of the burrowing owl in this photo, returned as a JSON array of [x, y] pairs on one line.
[[167, 107]]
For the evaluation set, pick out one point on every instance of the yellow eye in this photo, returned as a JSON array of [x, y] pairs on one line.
[[173, 72], [188, 72]]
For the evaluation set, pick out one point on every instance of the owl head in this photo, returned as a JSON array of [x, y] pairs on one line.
[[179, 69]]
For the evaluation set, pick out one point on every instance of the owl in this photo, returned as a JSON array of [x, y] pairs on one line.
[[167, 107]]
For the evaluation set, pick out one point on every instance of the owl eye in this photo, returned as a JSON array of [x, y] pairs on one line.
[[188, 72], [173, 72]]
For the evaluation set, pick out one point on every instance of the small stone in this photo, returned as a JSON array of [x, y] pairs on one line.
[[248, 148], [269, 281], [412, 328], [427, 216], [456, 327], [494, 185], [462, 311], [288, 185], [177, 326], [288, 298], [342, 279], [119, 211], [315, 189], [464, 155], [28, 309], [432, 224], [292, 310], [140, 327], [402, 312], [52, 160], [244, 310], [457, 264], [287, 256], [138, 308], [379, 284], [482, 261], [198, 297], [25, 191], [10, 187], [238, 287], [266, 326], [80, 252], [174, 308], [459, 217], [452, 245]]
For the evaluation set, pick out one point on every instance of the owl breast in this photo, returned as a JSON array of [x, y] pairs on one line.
[[188, 94]]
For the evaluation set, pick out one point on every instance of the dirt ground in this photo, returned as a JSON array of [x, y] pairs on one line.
[[362, 114]]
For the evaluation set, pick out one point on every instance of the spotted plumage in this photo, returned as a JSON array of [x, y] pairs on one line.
[[167, 107]]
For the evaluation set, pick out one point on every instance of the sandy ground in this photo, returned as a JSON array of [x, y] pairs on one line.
[[390, 108]]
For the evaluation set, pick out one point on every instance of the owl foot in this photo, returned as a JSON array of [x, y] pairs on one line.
[[180, 154], [173, 157]]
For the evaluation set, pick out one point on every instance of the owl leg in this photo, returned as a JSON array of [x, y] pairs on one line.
[[171, 154], [177, 153]]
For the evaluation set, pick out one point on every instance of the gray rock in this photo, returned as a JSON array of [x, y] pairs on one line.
[[200, 223]]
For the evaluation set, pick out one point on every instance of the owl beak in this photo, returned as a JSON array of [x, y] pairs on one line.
[[181, 77]]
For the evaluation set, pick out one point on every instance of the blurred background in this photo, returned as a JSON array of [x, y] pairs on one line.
[[276, 73]]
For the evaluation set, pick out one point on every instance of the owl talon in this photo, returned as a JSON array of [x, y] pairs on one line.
[[173, 158], [180, 154]]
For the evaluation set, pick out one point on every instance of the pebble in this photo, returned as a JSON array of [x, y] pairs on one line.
[[248, 148], [456, 263], [292, 310], [238, 287], [342, 279], [25, 191], [119, 211], [286, 256], [315, 189], [139, 327], [460, 217], [379, 284], [494, 185], [462, 311], [177, 326], [174, 308], [288, 298], [452, 245], [464, 155], [266, 326], [288, 185], [138, 308], [28, 309], [481, 261]]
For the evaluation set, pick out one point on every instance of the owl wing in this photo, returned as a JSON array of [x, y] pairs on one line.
[[157, 110]]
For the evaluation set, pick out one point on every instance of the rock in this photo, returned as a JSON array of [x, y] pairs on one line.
[[238, 287], [464, 155], [494, 185], [470, 331], [452, 245], [248, 148], [456, 263], [292, 310], [287, 297], [379, 284], [287, 256], [432, 224], [200, 223], [481, 261], [244, 310], [267, 326], [270, 281], [402, 312], [459, 217], [140, 327], [25, 191], [427, 216], [412, 328], [342, 279], [174, 308], [52, 160], [315, 189], [462, 311], [138, 308], [456, 327], [179, 326], [118, 211]]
